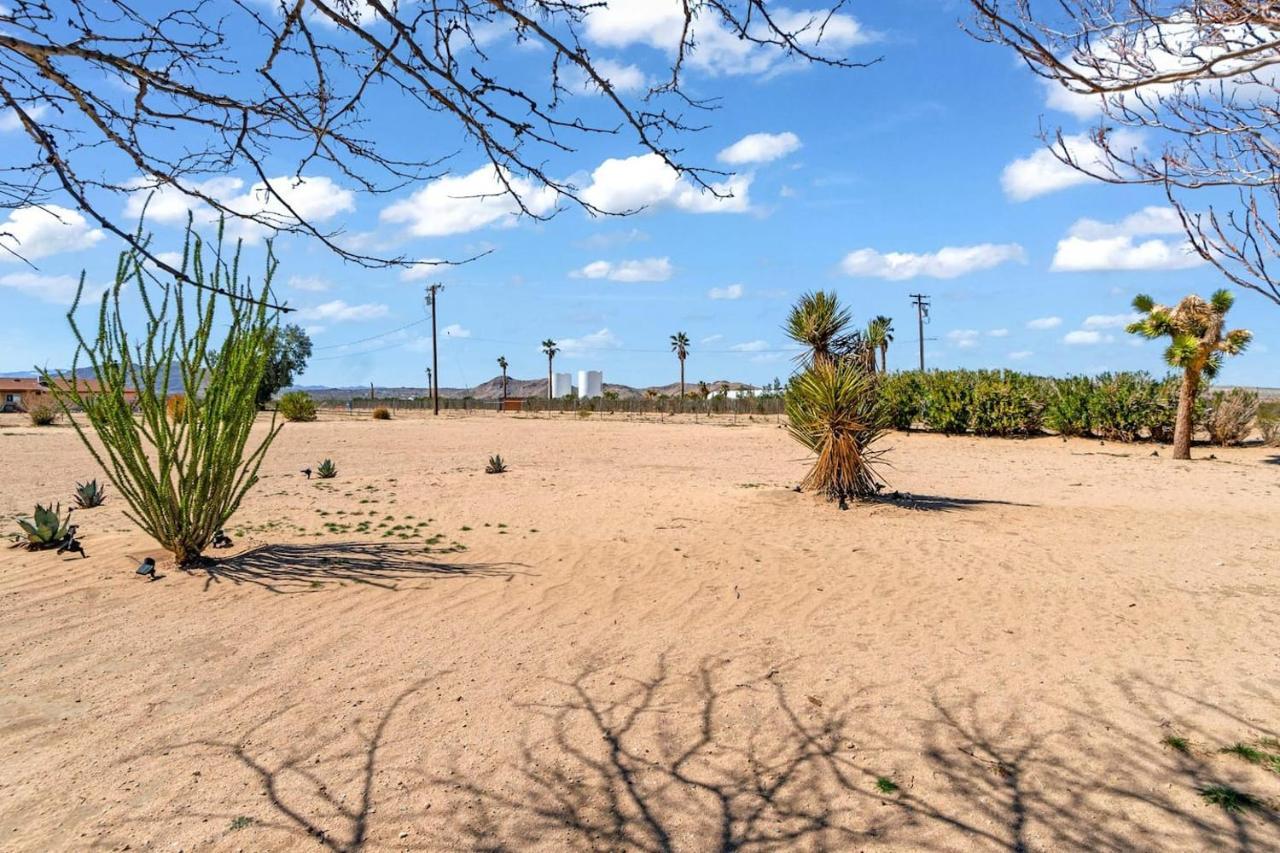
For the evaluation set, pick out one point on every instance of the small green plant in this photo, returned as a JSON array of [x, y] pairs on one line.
[[297, 406], [90, 494], [382, 413], [45, 529], [326, 470], [1066, 410], [885, 785], [1229, 799], [42, 414], [496, 465], [1253, 755], [243, 822], [1177, 743]]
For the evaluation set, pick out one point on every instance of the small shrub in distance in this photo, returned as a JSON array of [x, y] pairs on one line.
[[297, 406], [1066, 410], [90, 494], [1269, 426], [1229, 415], [382, 413], [326, 470], [496, 465], [1005, 404], [1123, 405], [176, 407], [902, 397], [42, 414], [948, 406]]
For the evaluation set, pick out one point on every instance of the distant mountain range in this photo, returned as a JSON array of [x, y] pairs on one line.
[[174, 386]]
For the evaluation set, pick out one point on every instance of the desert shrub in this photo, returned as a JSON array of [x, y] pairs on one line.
[[297, 406], [326, 470], [902, 397], [1005, 404], [496, 465], [1066, 409], [42, 414], [382, 413], [89, 495], [1123, 405], [176, 407], [183, 478], [948, 402], [584, 413], [1229, 415], [46, 528], [1269, 426]]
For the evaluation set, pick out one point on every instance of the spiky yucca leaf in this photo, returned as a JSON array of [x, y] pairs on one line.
[[817, 321], [45, 529], [833, 410]]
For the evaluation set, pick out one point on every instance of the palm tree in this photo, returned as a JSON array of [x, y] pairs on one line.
[[818, 322], [549, 347], [879, 336], [502, 362], [1198, 345], [680, 346]]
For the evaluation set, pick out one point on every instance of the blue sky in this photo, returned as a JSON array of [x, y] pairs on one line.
[[919, 174]]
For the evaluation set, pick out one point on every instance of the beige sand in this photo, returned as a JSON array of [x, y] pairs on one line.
[[685, 655]]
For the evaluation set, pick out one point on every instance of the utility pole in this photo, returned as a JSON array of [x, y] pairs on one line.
[[922, 314], [432, 290]]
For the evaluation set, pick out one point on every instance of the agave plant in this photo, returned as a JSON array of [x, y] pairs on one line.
[[326, 470], [496, 465], [833, 409], [90, 494], [45, 529]]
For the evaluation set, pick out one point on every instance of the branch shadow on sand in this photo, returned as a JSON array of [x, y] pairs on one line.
[[697, 761], [300, 568]]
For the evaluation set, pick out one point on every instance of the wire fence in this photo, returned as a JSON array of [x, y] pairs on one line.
[[767, 405]]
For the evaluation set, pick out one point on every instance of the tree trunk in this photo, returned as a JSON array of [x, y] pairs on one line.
[[884, 356], [1186, 408], [682, 383], [549, 385]]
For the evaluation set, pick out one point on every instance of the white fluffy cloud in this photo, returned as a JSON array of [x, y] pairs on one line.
[[623, 77], [621, 185], [750, 346], [58, 289], [964, 338], [37, 232], [1109, 321], [273, 203], [1019, 355], [659, 24], [338, 311], [1092, 246], [759, 148], [733, 291], [949, 262], [1042, 172], [309, 283], [999, 333], [1042, 323], [1086, 337], [460, 203], [645, 269], [602, 339], [454, 330]]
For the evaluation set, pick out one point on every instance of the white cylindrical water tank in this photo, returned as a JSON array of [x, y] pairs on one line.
[[563, 385], [590, 383]]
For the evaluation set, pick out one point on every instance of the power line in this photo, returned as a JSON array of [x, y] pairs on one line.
[[377, 336]]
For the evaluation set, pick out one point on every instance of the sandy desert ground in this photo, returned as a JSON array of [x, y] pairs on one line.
[[640, 638]]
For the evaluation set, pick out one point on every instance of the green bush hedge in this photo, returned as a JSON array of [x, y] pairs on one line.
[[297, 406], [1114, 406]]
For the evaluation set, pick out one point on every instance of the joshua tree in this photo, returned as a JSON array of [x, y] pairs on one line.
[[818, 322], [549, 347], [502, 363], [1198, 345], [879, 336], [680, 346]]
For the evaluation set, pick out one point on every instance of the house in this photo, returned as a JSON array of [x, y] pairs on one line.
[[19, 395]]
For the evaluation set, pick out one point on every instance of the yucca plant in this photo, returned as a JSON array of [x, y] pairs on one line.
[[183, 477], [496, 465], [297, 406], [45, 529], [832, 409], [326, 470], [818, 322], [90, 494], [1198, 344]]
